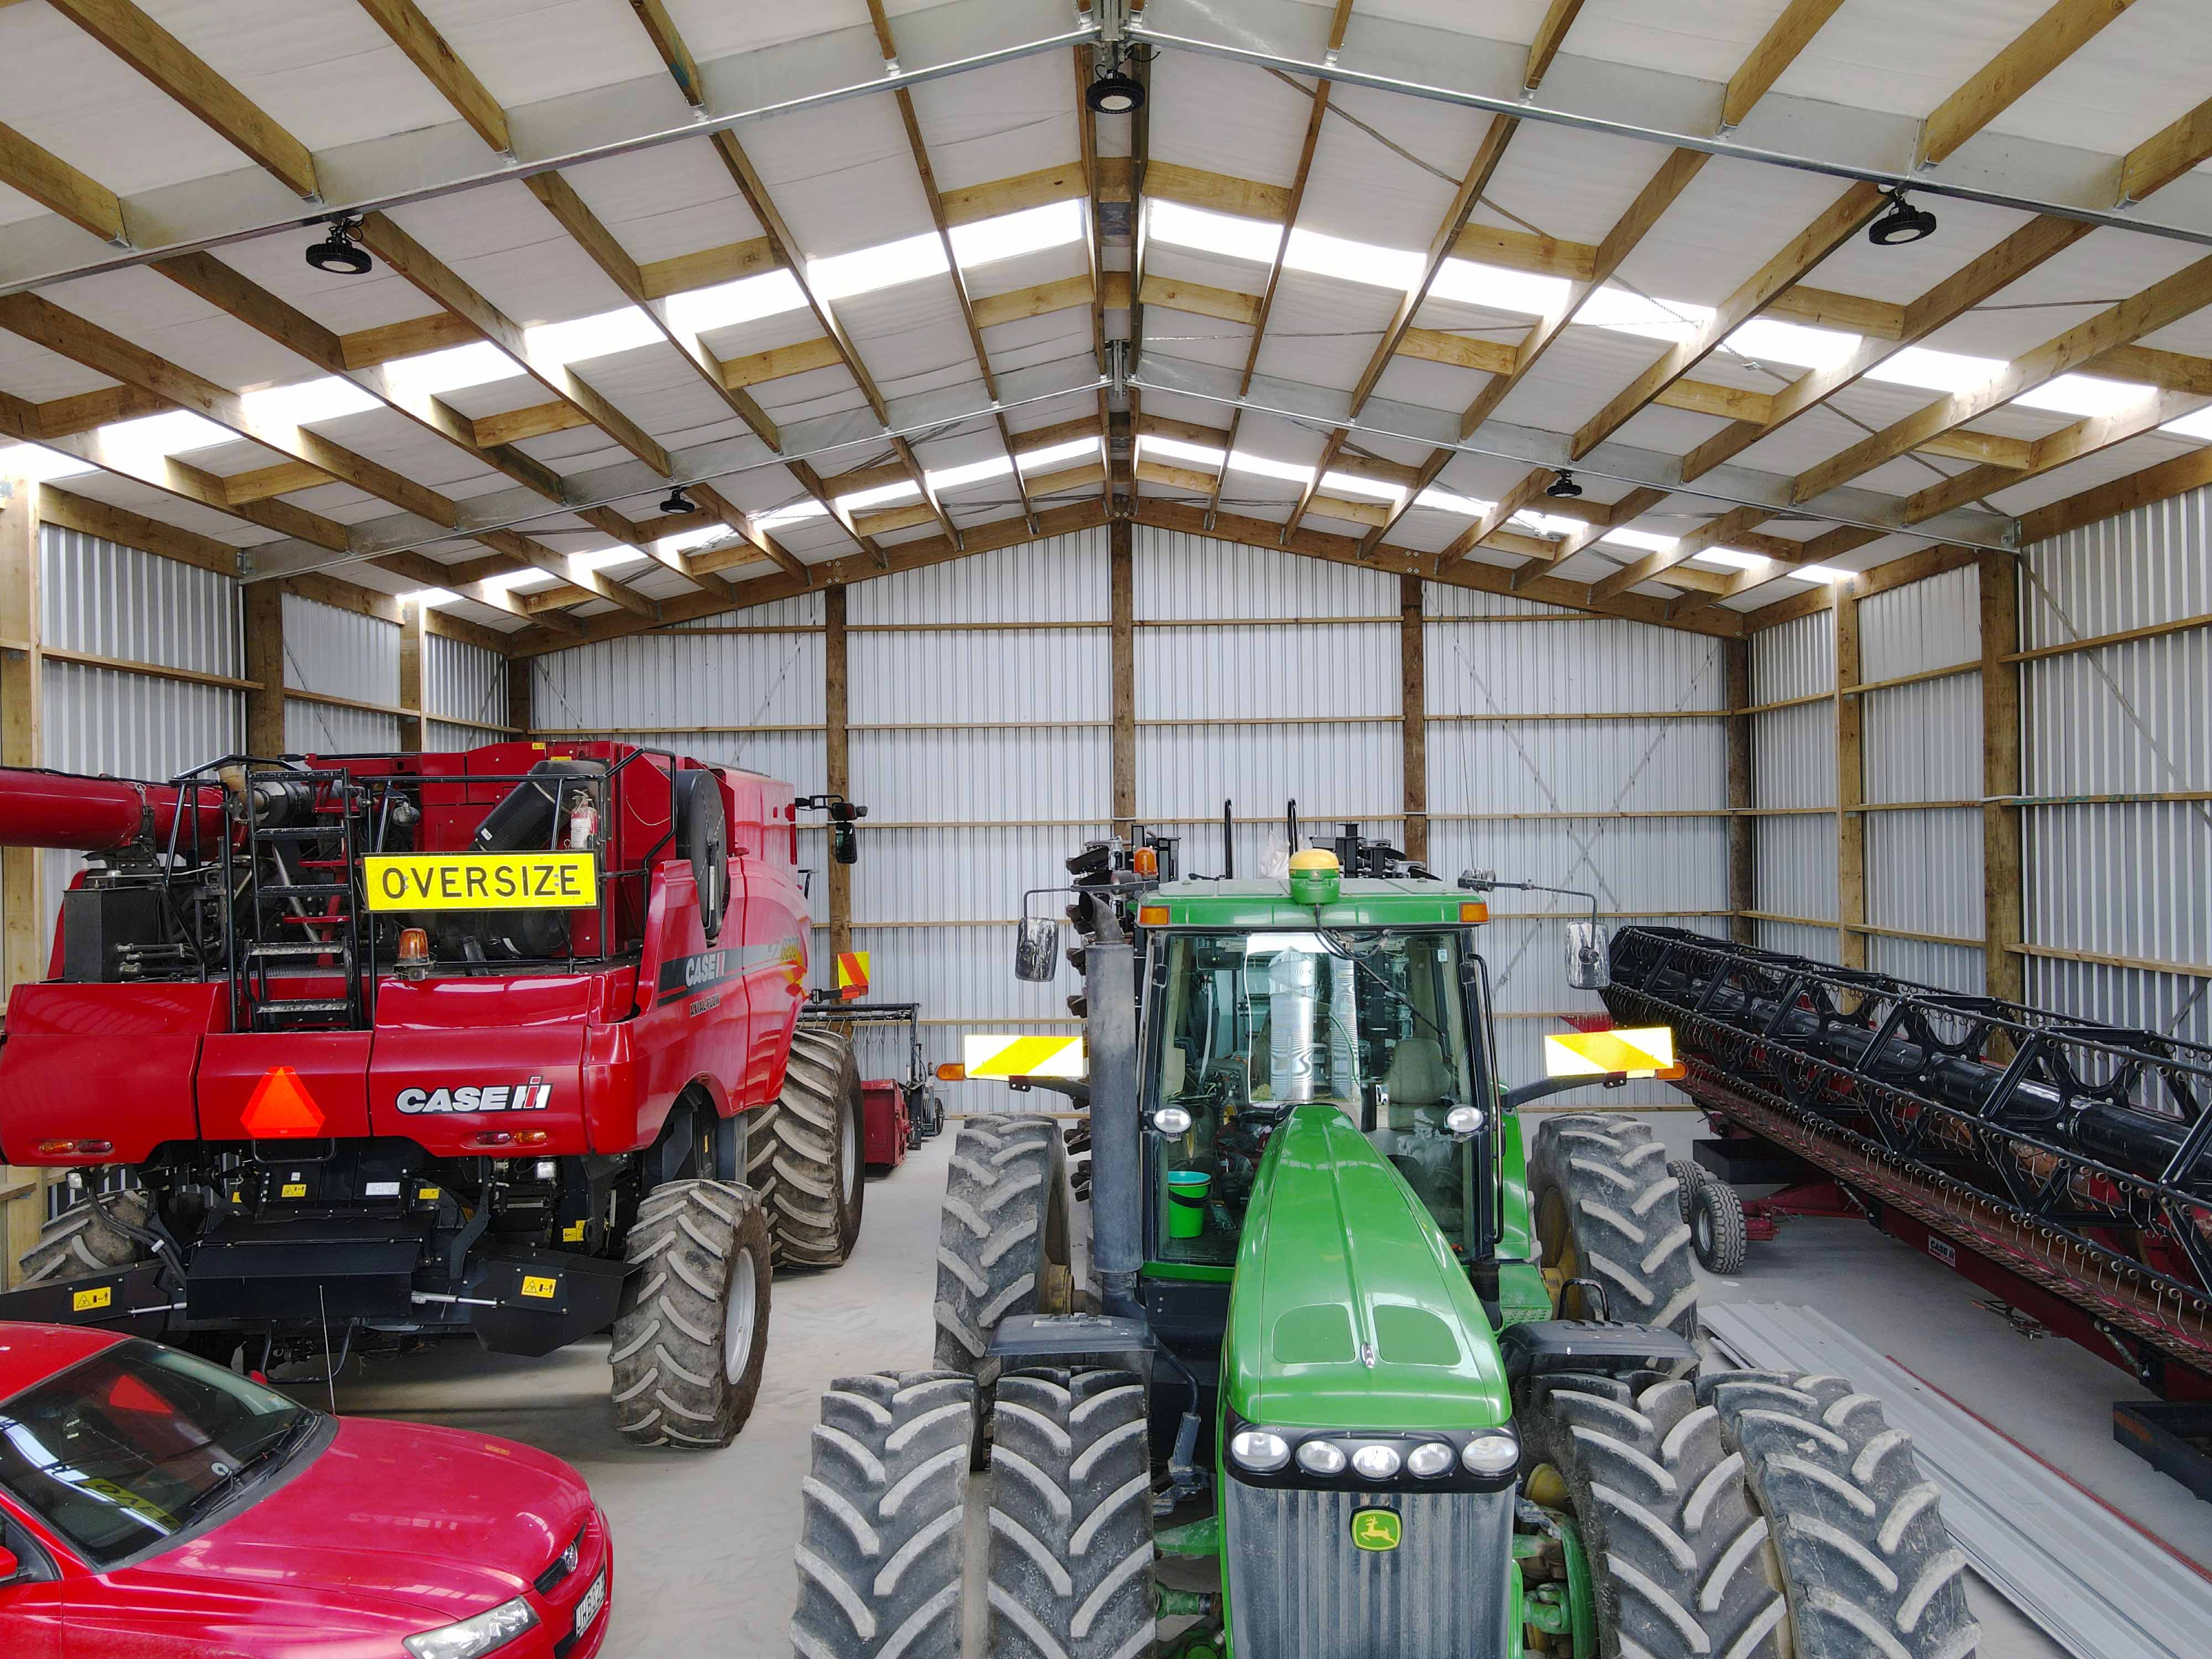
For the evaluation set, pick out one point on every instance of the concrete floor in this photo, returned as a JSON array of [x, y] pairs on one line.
[[705, 1542]]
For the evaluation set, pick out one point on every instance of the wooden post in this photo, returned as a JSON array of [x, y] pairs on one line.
[[1850, 782], [24, 947], [1122, 564], [1413, 714], [411, 650], [1742, 829], [2003, 870], [837, 765], [265, 662], [518, 671]]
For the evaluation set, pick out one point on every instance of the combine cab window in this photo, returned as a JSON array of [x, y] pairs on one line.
[[1252, 1023]]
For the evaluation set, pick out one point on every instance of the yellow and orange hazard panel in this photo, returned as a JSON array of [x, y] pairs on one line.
[[852, 974], [1023, 1056], [1646, 1051]]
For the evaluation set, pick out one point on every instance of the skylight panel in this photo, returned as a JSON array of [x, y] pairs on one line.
[[1081, 449], [840, 275], [1030, 231], [481, 363], [1352, 484], [37, 464], [794, 514], [153, 436], [1937, 371], [882, 495], [506, 581], [2197, 426], [2085, 394], [1352, 262], [726, 304], [1242, 460], [1174, 449], [1493, 286], [309, 401], [1643, 538], [1765, 339], [592, 336], [1444, 500], [1728, 558], [1215, 233], [683, 540], [1624, 313], [1816, 573], [429, 597], [958, 477]]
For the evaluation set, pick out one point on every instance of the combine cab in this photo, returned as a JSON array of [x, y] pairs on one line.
[[1350, 1365], [365, 1051]]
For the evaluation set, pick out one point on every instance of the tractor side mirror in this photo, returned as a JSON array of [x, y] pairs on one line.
[[1036, 948], [844, 843], [1589, 957]]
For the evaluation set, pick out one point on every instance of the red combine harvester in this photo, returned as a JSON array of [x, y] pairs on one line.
[[360, 1050]]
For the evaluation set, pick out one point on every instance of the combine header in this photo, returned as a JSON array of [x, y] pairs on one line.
[[362, 1050], [2061, 1164]]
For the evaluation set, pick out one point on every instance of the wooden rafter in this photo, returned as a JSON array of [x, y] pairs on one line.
[[1777, 49], [1550, 35], [425, 48], [2187, 290], [1999, 84], [2164, 156], [49, 180], [159, 56]]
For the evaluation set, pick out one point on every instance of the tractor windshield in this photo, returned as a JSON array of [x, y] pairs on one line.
[[1249, 1024]]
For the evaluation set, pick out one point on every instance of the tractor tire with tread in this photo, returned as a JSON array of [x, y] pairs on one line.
[[1002, 1244], [1677, 1552], [692, 1334], [1070, 1573], [1718, 1235], [82, 1240], [1867, 1564], [1606, 1208], [811, 1143], [882, 1525]]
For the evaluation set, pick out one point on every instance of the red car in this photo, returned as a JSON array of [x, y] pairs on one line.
[[154, 1506]]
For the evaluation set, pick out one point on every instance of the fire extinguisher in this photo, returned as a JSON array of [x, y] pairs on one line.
[[583, 821]]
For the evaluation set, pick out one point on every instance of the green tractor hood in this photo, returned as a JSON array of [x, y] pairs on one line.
[[1350, 1310]]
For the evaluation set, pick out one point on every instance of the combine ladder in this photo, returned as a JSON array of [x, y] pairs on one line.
[[305, 881]]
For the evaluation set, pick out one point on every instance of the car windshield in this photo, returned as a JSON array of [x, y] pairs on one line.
[[137, 1444], [1250, 1023]]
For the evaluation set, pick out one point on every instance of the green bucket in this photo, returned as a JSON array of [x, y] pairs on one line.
[[1187, 1190]]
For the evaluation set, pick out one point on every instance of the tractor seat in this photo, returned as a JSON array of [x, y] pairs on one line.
[[1419, 1076]]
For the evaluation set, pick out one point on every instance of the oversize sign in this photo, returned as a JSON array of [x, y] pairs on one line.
[[482, 881]]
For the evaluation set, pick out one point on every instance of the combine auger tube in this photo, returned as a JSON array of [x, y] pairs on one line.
[[2073, 1156]]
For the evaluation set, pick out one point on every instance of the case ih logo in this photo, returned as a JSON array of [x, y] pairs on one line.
[[531, 1096]]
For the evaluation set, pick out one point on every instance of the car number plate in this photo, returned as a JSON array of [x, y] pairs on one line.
[[595, 1599]]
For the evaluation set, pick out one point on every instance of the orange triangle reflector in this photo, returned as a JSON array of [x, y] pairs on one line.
[[280, 1106]]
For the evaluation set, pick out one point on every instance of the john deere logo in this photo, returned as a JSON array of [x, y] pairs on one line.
[[1375, 1530]]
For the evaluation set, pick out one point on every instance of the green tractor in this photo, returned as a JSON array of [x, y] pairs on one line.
[[1347, 1365]]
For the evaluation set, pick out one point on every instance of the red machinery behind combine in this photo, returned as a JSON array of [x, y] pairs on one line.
[[360, 1050]]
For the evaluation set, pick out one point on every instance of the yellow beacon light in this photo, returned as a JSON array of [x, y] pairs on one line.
[[1316, 876]]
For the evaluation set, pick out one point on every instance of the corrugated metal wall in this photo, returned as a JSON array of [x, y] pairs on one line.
[[339, 654], [467, 683], [97, 599], [2124, 879]]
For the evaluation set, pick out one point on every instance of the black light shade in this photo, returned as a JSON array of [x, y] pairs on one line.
[[1564, 487], [1904, 223], [339, 252], [1115, 93], [677, 501]]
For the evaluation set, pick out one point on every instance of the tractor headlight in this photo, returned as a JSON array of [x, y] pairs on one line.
[[1376, 1462], [1259, 1452], [1319, 1458], [487, 1633], [1429, 1460], [1465, 1120], [1496, 1453], [1171, 1120]]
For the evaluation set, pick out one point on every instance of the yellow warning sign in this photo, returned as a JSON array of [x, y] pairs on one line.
[[1646, 1051], [540, 1288], [1025, 1056], [86, 1301], [482, 881]]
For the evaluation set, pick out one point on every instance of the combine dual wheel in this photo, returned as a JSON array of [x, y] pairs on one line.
[[1002, 1242], [803, 1153], [692, 1334], [1754, 1515], [1046, 1551], [1607, 1210]]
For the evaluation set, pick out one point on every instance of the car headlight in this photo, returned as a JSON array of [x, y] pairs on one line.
[[1319, 1457], [1491, 1454], [1258, 1450], [487, 1633], [1429, 1460]]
